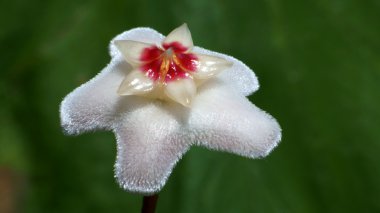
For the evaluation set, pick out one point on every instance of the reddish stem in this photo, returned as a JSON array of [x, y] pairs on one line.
[[149, 204]]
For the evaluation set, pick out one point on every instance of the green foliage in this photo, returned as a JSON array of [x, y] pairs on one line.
[[319, 70]]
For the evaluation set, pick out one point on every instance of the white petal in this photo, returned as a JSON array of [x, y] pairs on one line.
[[181, 91], [136, 83], [209, 66], [223, 119], [141, 34], [149, 143], [239, 76], [132, 50], [182, 35], [94, 104]]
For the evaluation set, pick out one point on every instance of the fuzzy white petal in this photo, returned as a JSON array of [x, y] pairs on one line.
[[223, 119], [181, 91], [140, 34], [150, 141], [93, 105], [132, 50], [209, 66], [136, 83], [182, 35], [239, 75]]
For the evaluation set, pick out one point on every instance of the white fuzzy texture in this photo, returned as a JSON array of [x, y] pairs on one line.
[[152, 135]]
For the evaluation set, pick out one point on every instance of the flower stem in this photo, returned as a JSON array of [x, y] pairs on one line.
[[149, 203]]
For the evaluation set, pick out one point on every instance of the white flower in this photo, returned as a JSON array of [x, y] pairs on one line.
[[160, 96]]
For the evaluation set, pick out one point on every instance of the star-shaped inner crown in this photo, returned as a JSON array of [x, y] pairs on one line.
[[170, 70]]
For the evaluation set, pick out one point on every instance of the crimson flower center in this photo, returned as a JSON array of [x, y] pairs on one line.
[[171, 62]]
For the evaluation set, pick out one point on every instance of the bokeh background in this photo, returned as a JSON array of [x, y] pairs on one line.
[[318, 64]]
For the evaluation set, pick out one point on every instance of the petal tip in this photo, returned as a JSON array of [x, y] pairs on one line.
[[184, 25], [118, 44], [273, 139], [229, 64], [181, 91], [182, 35], [276, 140], [186, 102]]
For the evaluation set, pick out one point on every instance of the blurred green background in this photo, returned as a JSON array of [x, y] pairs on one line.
[[318, 64]]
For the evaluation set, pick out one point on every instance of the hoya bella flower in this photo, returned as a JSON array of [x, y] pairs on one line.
[[161, 95]]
